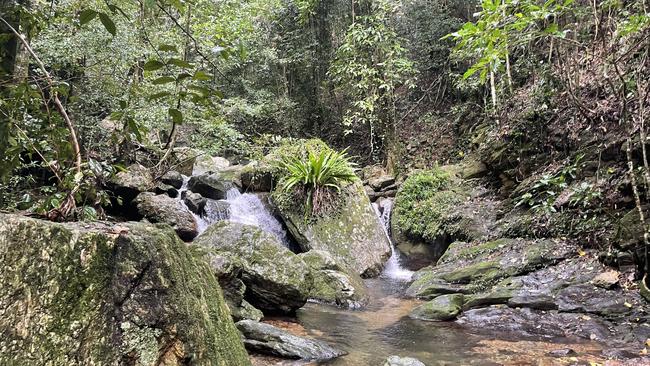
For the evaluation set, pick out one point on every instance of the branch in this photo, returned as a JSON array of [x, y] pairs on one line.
[[55, 94]]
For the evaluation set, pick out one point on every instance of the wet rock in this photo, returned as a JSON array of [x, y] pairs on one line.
[[333, 282], [130, 183], [195, 202], [164, 209], [442, 308], [276, 279], [403, 361], [265, 338], [564, 352], [353, 236], [98, 294], [590, 299], [168, 190], [229, 277], [381, 182], [257, 177], [173, 178], [217, 210], [477, 265], [533, 323], [606, 280], [210, 185], [209, 164], [372, 195]]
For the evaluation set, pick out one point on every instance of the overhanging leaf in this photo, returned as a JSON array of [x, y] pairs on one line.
[[153, 65], [163, 80], [176, 115], [108, 23], [86, 16]]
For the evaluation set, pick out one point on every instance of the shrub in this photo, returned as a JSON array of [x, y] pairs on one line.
[[316, 177], [422, 203]]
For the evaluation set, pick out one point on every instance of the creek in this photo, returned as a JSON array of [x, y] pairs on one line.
[[383, 328]]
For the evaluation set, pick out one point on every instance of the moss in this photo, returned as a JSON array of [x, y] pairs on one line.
[[422, 204], [469, 251], [74, 294]]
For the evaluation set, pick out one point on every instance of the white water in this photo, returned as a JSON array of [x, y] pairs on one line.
[[248, 209], [393, 269], [244, 208]]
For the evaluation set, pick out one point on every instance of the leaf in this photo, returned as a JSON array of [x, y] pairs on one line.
[[202, 76], [167, 48], [159, 95], [163, 80], [179, 63], [108, 23], [86, 16], [176, 115], [153, 65], [78, 177]]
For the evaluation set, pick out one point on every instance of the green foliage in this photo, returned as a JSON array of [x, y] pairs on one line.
[[542, 195], [503, 26], [368, 68], [422, 203], [317, 177]]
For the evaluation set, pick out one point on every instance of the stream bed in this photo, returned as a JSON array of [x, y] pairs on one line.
[[383, 328]]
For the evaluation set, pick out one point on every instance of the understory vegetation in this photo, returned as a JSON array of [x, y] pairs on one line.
[[550, 96]]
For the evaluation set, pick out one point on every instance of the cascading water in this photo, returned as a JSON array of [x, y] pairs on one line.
[[393, 267], [244, 208], [248, 209]]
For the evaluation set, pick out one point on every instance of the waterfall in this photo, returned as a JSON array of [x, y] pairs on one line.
[[244, 208], [248, 209], [393, 267]]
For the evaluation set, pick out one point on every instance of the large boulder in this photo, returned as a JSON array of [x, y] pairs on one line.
[[209, 164], [96, 294], [164, 209], [433, 209], [353, 236], [471, 267], [129, 183], [173, 178], [265, 338], [276, 279], [333, 282], [229, 276], [210, 185]]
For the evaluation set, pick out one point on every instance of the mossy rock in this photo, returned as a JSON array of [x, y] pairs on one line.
[[129, 183], [473, 267], [353, 235], [334, 283], [277, 280], [432, 210], [96, 294], [442, 308]]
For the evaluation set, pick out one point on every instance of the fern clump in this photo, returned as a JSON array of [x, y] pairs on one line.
[[318, 178]]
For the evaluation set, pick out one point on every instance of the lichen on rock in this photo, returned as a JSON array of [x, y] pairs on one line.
[[81, 294]]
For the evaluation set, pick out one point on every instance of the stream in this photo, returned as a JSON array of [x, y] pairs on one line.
[[383, 328]]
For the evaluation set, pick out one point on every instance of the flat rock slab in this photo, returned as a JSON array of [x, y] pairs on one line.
[[403, 361], [265, 338]]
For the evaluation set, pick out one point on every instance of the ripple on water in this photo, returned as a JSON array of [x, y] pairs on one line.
[[384, 328]]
